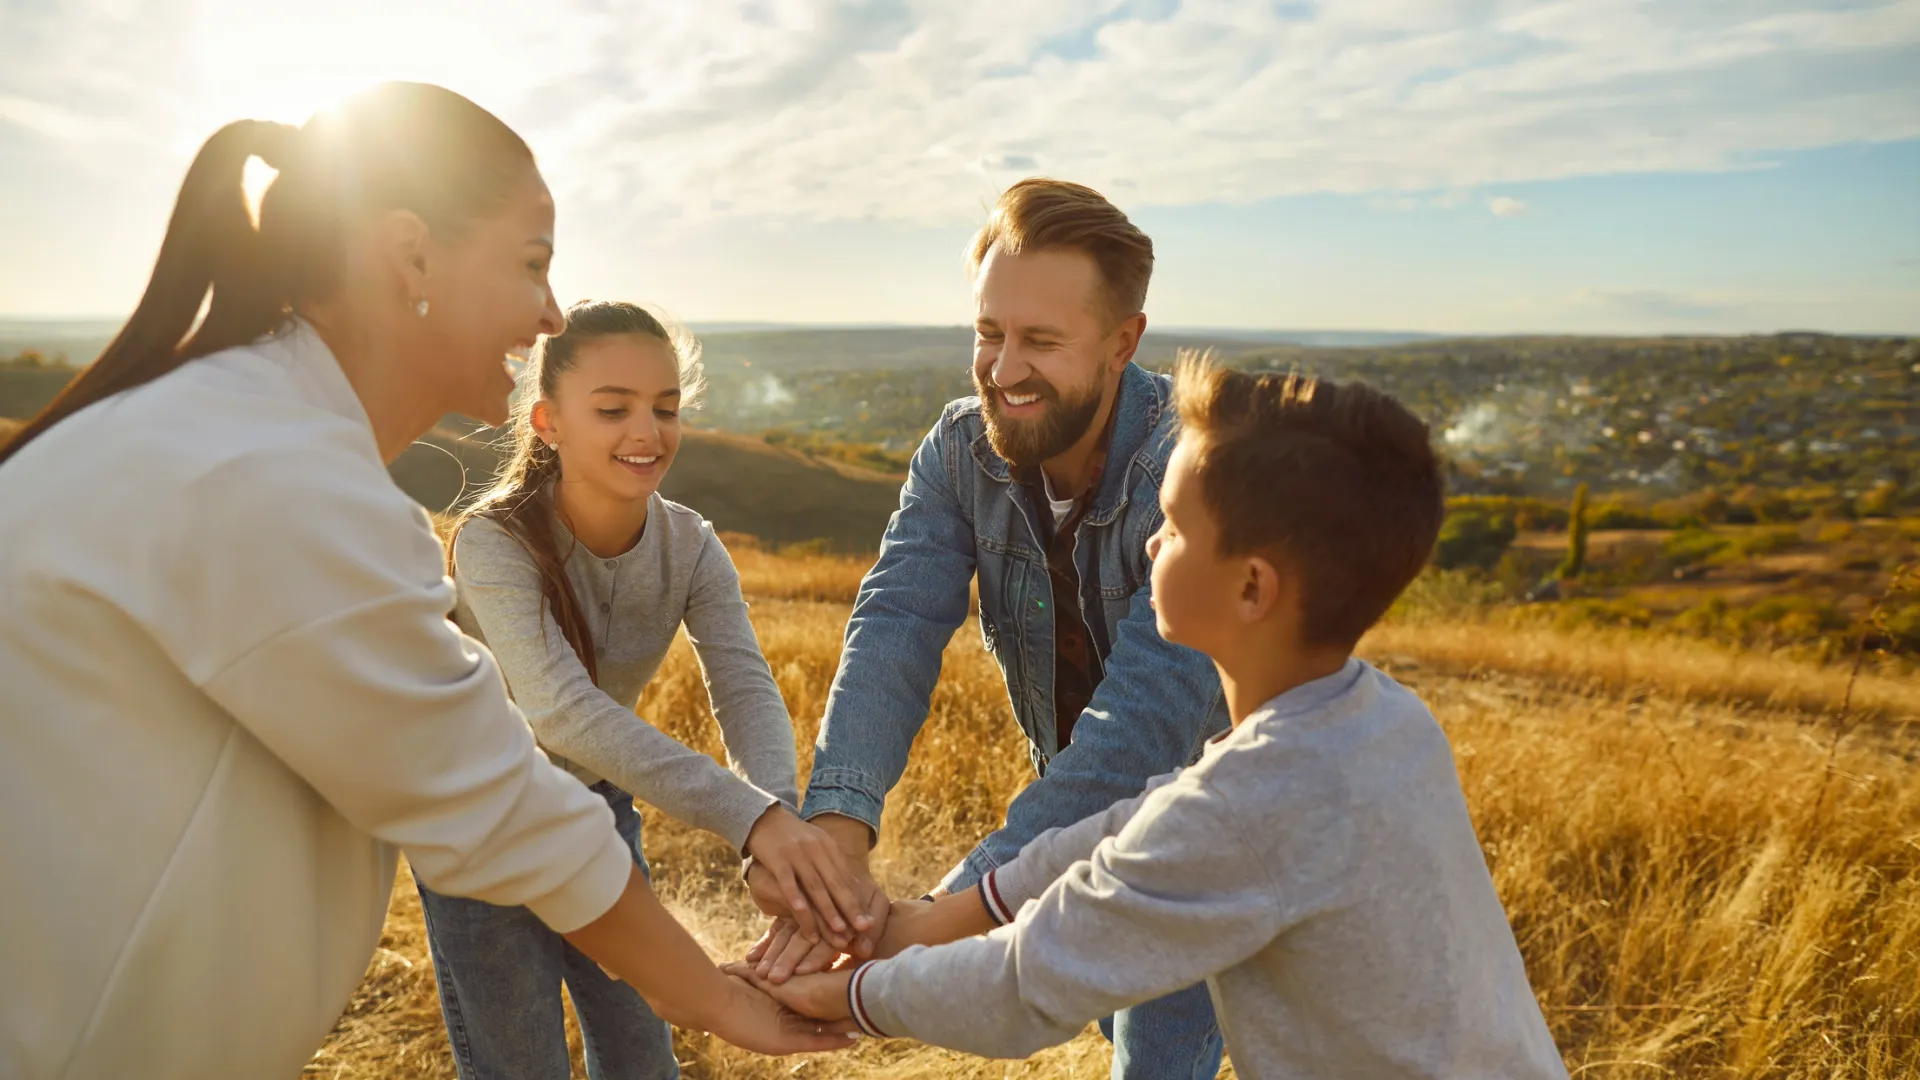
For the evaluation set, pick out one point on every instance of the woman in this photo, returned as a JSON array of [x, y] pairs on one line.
[[577, 575], [228, 688]]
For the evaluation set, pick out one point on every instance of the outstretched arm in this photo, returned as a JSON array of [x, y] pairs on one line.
[[1147, 718], [909, 605], [1178, 896]]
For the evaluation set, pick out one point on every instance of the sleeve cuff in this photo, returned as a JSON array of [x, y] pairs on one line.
[[997, 907], [847, 793], [590, 893], [856, 1002], [745, 807]]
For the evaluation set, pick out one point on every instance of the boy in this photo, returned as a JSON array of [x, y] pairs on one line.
[[1316, 866]]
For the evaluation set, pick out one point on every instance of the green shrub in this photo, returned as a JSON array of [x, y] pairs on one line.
[[1615, 515], [1576, 560], [1471, 537], [1689, 546]]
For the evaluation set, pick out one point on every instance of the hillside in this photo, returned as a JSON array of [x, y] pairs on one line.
[[741, 484]]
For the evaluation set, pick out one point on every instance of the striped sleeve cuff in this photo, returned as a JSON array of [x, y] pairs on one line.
[[857, 1007], [990, 895]]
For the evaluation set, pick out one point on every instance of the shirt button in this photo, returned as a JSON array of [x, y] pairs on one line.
[[610, 564], [606, 609]]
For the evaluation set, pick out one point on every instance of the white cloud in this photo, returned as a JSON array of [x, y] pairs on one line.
[[1506, 206], [920, 110]]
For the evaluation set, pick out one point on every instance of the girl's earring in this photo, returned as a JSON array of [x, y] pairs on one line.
[[420, 309]]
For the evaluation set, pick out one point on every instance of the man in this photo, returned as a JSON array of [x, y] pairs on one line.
[[1045, 486]]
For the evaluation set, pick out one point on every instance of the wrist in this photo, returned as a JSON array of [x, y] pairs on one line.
[[854, 837], [769, 818], [960, 915], [706, 1010]]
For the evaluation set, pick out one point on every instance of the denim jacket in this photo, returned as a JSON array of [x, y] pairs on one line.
[[961, 514]]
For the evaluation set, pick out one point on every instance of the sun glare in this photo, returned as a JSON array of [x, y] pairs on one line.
[[284, 61]]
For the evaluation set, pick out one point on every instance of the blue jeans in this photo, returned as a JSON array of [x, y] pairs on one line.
[[500, 971], [1170, 1037]]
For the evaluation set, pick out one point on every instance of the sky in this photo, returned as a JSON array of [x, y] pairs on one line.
[[1453, 166]]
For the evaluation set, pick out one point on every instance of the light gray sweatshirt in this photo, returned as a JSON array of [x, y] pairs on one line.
[[1316, 867], [678, 572]]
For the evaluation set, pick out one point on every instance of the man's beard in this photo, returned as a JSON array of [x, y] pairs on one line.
[[1030, 442]]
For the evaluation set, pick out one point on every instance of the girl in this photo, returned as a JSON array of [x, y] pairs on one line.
[[229, 691], [577, 575]]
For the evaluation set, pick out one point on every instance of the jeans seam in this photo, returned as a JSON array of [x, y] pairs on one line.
[[1206, 1051], [456, 1017]]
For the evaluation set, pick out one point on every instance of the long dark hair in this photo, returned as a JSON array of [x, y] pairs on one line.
[[520, 500], [398, 145]]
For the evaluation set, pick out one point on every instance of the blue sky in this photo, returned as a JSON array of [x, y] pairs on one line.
[[1471, 166]]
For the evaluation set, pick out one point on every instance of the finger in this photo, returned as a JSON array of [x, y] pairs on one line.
[[741, 969], [840, 1031], [759, 948], [869, 939], [797, 903], [824, 1038], [782, 935], [789, 958], [825, 907], [844, 900], [818, 960]]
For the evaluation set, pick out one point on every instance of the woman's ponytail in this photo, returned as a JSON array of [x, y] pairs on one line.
[[211, 244], [395, 146]]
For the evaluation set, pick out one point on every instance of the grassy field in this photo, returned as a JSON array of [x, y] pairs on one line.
[[1710, 873]]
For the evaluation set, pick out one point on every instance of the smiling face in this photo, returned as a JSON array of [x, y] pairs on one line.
[[614, 415], [488, 296], [1044, 359]]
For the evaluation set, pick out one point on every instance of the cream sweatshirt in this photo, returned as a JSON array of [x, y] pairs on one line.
[[229, 694]]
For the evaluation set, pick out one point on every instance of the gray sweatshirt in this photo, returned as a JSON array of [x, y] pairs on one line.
[[1316, 867], [678, 572]]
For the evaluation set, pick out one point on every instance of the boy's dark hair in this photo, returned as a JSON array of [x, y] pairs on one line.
[[1337, 479]]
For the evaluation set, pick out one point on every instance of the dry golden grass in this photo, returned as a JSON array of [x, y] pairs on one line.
[[795, 575], [1607, 661], [1701, 883]]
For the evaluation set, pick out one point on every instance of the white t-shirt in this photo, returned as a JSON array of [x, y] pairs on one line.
[[1060, 507]]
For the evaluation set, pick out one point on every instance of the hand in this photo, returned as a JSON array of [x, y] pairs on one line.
[[782, 952], [809, 878], [820, 996], [757, 1022], [854, 840]]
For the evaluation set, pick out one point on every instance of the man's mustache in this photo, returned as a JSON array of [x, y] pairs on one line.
[[1030, 386]]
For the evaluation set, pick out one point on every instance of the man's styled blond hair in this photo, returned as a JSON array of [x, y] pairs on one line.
[[1039, 214]]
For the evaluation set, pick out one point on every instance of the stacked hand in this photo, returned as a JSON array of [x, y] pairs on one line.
[[800, 872], [781, 953], [809, 975], [817, 987], [758, 1022]]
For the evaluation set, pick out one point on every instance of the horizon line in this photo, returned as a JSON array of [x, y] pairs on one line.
[[744, 326]]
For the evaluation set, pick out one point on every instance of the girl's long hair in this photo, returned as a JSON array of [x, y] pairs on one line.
[[398, 145], [521, 498]]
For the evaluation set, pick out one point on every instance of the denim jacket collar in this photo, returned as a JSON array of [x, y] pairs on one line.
[[1140, 403]]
